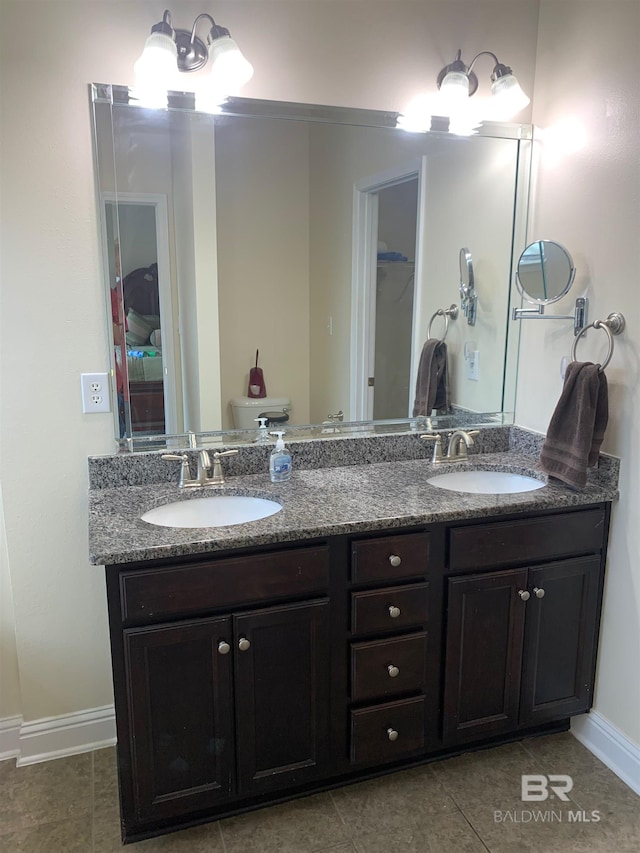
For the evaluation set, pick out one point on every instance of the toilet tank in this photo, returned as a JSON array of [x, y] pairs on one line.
[[246, 409]]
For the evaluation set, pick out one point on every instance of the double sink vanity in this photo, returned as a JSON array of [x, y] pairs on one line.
[[375, 619]]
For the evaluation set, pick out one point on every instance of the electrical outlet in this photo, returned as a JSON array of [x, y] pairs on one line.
[[473, 358], [95, 393]]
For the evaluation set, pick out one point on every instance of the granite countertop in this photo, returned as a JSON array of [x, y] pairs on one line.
[[317, 503]]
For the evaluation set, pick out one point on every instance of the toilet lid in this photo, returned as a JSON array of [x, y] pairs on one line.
[[274, 417]]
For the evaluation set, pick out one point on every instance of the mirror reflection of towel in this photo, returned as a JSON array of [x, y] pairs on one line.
[[577, 425], [432, 386]]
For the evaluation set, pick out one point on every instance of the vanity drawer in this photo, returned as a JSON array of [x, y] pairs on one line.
[[387, 732], [506, 543], [391, 609], [383, 668], [160, 593], [389, 557]]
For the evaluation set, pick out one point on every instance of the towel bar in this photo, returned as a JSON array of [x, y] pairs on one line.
[[451, 312], [613, 325]]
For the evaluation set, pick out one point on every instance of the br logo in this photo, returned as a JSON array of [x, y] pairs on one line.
[[537, 787]]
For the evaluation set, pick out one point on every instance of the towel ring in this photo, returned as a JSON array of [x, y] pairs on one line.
[[613, 325], [451, 312]]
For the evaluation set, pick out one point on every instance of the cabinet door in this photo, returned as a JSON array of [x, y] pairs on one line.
[[560, 639], [180, 695], [485, 629], [282, 695]]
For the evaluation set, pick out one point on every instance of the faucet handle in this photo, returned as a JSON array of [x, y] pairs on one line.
[[217, 477], [437, 449], [218, 453], [185, 473]]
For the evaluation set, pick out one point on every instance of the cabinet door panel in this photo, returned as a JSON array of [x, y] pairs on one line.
[[282, 695], [181, 722], [485, 630], [560, 640]]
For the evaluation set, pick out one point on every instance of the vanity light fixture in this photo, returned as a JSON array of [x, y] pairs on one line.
[[168, 50], [457, 82]]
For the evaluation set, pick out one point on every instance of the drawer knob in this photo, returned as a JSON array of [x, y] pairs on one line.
[[524, 595], [244, 644], [395, 560], [223, 648], [392, 734], [539, 593], [394, 611], [393, 671]]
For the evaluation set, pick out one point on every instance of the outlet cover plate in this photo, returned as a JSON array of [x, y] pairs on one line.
[[95, 393]]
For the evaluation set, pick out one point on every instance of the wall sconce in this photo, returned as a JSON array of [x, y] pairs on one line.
[[457, 82], [168, 50]]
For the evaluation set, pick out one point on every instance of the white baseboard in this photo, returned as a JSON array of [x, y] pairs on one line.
[[610, 745], [55, 737], [10, 737]]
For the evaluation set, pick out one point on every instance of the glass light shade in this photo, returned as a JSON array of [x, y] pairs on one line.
[[507, 98], [229, 69], [155, 70], [454, 93]]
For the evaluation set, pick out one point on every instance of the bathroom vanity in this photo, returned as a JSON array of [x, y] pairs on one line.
[[374, 623]]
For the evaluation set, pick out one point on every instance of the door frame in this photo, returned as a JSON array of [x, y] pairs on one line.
[[159, 203], [363, 280]]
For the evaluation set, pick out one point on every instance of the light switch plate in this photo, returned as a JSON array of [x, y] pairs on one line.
[[473, 358]]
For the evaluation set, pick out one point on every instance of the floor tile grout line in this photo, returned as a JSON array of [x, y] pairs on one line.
[[221, 836], [350, 835], [475, 832]]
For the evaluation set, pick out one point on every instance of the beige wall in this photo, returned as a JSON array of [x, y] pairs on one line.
[[588, 68], [262, 198], [53, 315]]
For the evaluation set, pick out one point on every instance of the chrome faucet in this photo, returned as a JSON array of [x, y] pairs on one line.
[[458, 444], [202, 478], [459, 441]]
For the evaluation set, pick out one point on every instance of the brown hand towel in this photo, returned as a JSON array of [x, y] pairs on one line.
[[432, 385], [577, 425]]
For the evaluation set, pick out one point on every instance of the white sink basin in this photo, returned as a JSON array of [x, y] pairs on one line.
[[213, 511], [486, 482]]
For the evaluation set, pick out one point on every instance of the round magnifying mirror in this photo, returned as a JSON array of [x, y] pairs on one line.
[[466, 272], [545, 272]]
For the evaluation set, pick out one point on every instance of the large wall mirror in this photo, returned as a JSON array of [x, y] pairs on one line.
[[324, 238]]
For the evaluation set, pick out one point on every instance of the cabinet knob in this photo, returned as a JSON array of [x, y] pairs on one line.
[[223, 648], [244, 644], [539, 593], [393, 671], [392, 734], [395, 560], [394, 611], [524, 595]]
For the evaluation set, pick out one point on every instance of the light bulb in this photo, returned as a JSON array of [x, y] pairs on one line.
[[454, 93], [155, 70], [229, 69], [507, 98]]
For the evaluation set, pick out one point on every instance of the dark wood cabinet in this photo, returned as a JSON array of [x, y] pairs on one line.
[[520, 647], [180, 715], [282, 695], [483, 658], [243, 678]]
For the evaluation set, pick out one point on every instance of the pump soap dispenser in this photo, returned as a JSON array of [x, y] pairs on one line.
[[279, 461]]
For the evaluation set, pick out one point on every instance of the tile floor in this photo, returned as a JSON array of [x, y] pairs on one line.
[[465, 804]]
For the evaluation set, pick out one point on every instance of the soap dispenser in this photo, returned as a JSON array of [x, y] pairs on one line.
[[279, 461], [263, 432]]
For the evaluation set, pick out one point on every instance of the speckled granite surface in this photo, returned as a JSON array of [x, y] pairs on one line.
[[323, 501], [145, 468]]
